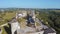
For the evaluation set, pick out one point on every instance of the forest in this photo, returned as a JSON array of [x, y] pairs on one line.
[[50, 18]]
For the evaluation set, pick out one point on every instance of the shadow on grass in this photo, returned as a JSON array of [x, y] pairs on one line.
[[8, 29]]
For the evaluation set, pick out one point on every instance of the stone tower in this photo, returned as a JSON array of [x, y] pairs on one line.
[[14, 26]]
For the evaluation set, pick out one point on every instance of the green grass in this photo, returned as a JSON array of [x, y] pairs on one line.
[[7, 17], [3, 31]]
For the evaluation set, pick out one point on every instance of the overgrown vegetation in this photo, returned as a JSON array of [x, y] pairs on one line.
[[6, 17], [50, 18]]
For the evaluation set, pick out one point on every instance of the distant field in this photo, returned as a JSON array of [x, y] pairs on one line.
[[9, 16], [6, 17]]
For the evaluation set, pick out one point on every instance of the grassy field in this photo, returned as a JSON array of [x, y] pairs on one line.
[[3, 31], [9, 16], [6, 17]]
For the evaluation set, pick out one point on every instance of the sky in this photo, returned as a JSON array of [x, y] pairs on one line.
[[30, 3]]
